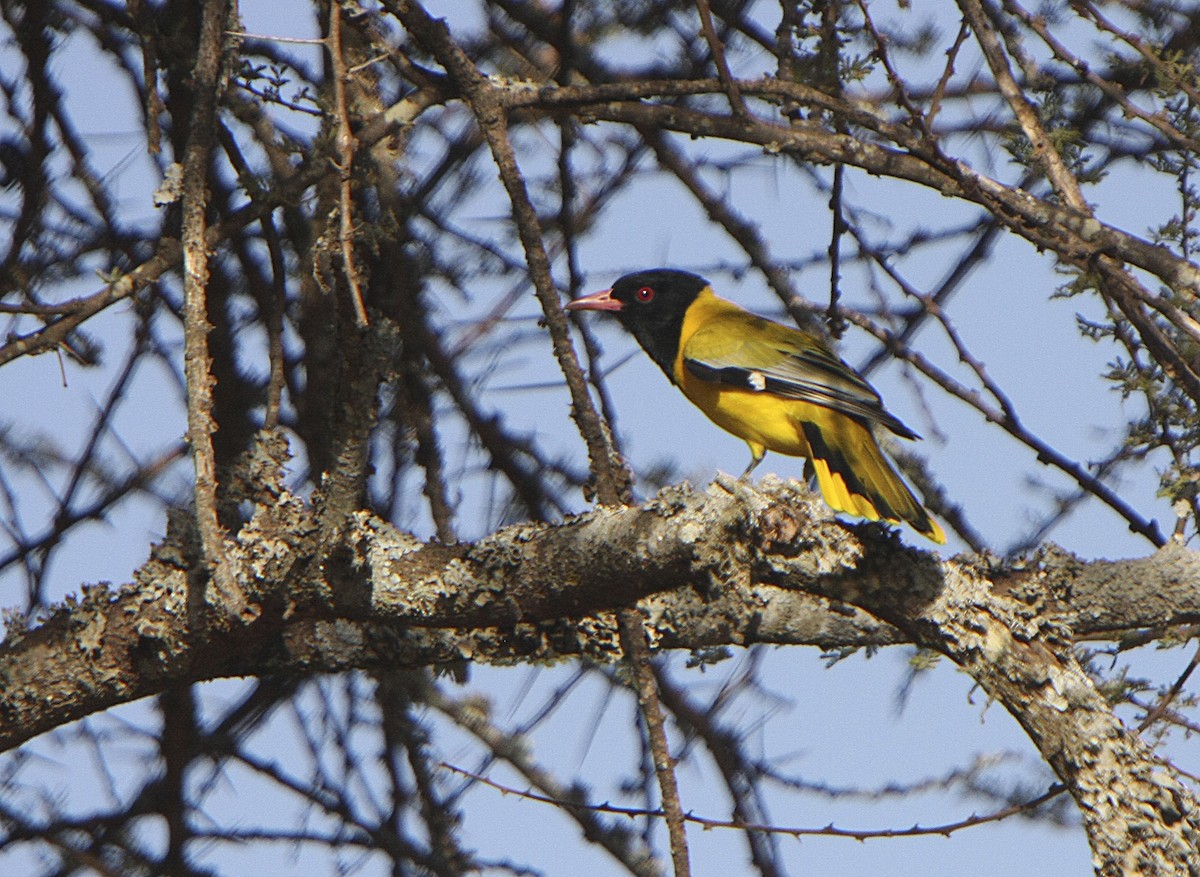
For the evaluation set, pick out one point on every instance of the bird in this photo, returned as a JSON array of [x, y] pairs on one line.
[[775, 387]]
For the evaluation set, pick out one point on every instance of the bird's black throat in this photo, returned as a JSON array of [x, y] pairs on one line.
[[657, 323]]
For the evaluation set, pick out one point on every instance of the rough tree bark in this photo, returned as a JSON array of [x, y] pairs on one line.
[[735, 564]]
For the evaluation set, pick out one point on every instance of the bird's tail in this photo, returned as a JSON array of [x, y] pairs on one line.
[[855, 478]]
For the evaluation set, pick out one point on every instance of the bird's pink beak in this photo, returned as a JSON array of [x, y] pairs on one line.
[[597, 301]]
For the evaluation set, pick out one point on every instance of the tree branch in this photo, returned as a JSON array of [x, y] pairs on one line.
[[225, 595], [734, 565]]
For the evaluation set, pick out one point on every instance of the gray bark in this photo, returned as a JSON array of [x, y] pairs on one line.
[[734, 565]]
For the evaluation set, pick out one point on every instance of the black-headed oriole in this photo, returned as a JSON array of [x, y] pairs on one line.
[[775, 387]]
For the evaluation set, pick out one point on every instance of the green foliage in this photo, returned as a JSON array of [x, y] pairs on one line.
[[1179, 231], [1169, 426], [1057, 112]]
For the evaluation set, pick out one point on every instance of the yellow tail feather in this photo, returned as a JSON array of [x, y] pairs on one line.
[[854, 476]]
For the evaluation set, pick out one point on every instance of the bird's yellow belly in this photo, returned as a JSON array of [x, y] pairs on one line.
[[762, 421]]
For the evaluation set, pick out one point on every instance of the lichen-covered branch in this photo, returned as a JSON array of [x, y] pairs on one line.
[[735, 564]]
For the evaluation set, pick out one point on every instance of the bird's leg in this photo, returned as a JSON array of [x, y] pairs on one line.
[[756, 457]]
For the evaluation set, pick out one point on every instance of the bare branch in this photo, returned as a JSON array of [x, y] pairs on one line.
[[227, 595]]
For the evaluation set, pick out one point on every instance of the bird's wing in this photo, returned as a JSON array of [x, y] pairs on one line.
[[752, 353]]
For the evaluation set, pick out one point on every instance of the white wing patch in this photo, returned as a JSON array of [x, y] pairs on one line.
[[757, 381]]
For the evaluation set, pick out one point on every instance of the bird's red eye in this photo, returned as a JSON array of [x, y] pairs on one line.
[[644, 294]]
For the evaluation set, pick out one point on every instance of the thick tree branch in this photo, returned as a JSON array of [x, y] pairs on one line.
[[224, 594], [693, 559], [332, 586], [734, 565]]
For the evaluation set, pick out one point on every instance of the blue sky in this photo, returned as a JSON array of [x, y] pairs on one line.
[[839, 726]]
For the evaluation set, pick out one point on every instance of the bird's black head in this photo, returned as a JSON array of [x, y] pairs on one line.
[[651, 306]]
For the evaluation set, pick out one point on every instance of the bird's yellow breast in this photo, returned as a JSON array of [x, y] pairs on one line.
[[762, 420]]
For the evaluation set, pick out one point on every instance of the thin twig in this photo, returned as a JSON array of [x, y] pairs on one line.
[[736, 102], [1114, 92], [346, 146], [944, 830], [833, 313], [637, 654], [828, 60], [267, 38], [512, 749], [939, 91], [724, 744], [1061, 178], [1144, 47], [1167, 699], [271, 303]]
